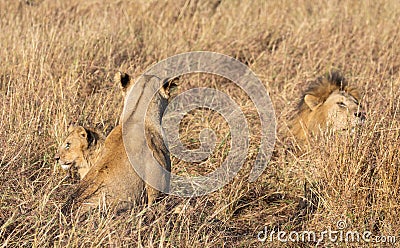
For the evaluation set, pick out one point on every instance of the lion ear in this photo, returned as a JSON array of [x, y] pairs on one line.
[[124, 81], [82, 132], [354, 92], [71, 128], [168, 87], [312, 101]]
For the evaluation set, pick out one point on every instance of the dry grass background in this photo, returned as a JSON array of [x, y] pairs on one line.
[[57, 63]]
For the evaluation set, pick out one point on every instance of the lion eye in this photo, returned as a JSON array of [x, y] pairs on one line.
[[67, 146], [341, 104]]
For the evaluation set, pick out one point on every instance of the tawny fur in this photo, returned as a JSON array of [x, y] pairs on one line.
[[312, 114], [113, 177], [79, 150]]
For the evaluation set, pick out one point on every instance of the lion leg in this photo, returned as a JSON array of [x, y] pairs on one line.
[[152, 194]]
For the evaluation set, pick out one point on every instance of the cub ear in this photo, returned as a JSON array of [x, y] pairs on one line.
[[124, 81], [81, 131], [312, 101], [92, 137], [71, 128]]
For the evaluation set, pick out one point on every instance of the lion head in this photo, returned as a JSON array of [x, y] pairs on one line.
[[78, 149], [328, 104]]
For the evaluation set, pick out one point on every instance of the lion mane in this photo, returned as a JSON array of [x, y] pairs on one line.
[[309, 115]]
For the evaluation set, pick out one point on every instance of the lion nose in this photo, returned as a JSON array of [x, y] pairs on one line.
[[57, 157], [361, 115]]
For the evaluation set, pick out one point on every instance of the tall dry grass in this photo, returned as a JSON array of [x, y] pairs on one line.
[[57, 63]]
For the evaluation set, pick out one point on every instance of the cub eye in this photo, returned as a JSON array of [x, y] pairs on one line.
[[67, 145], [341, 104]]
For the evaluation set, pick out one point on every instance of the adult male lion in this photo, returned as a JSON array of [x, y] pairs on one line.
[[112, 177], [328, 104], [79, 150]]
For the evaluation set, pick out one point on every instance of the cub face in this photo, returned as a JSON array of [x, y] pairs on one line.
[[71, 152]]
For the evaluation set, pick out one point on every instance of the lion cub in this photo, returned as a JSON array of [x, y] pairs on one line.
[[79, 150]]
